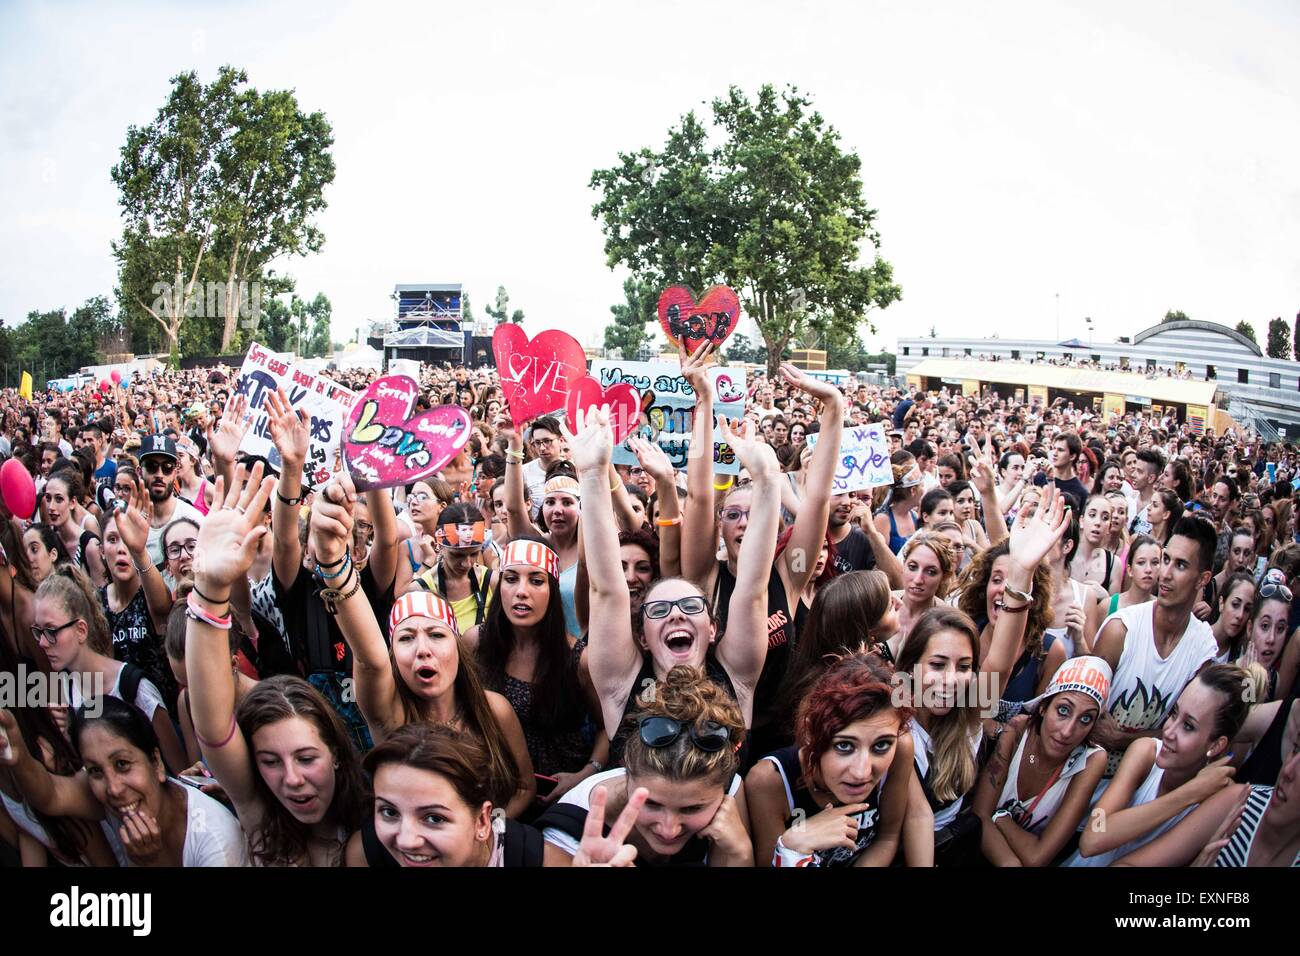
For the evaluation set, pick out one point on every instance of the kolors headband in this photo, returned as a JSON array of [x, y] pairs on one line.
[[531, 554], [422, 604]]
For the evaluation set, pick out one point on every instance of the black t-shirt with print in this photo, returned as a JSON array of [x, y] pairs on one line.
[[854, 552]]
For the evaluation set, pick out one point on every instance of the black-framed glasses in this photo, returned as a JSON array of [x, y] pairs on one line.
[[48, 635], [174, 551], [1271, 589], [543, 442], [658, 732], [154, 465], [735, 514], [690, 605]]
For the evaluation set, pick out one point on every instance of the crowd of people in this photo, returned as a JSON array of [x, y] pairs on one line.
[[1073, 361], [1053, 639]]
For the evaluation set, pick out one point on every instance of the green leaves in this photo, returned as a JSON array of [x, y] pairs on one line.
[[627, 332], [774, 209]]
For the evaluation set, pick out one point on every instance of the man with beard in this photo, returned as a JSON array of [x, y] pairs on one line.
[[158, 462], [858, 550]]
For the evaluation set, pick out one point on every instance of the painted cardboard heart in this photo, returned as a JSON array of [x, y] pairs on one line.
[[536, 374], [691, 323], [623, 400], [387, 446]]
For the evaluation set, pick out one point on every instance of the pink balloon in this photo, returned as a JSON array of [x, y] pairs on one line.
[[116, 377], [17, 489], [104, 386]]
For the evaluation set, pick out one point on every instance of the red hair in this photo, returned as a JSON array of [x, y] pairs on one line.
[[854, 687], [829, 571]]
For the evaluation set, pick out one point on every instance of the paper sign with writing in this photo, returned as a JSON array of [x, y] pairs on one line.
[[692, 323], [668, 403], [537, 373], [863, 459], [327, 405], [389, 445]]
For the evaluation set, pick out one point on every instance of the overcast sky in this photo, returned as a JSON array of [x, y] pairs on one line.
[[1131, 156]]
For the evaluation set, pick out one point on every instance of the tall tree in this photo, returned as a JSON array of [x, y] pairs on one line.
[[1248, 330], [1175, 315], [221, 183], [1296, 337], [774, 209], [502, 312], [320, 312], [275, 327], [1278, 347], [627, 332]]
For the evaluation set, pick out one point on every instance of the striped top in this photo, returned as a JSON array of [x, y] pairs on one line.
[[1237, 851]]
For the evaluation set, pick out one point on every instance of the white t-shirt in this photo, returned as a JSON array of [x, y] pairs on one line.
[[213, 836], [147, 698], [580, 796], [183, 509], [535, 480], [1145, 684]]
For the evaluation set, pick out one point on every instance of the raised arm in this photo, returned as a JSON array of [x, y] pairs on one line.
[[657, 465], [744, 647], [224, 439], [613, 658], [383, 561], [331, 540], [518, 522], [1179, 845], [700, 547], [48, 793], [133, 528], [290, 432], [982, 475], [227, 544], [810, 525]]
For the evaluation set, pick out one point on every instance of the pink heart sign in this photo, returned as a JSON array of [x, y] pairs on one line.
[[692, 323], [536, 374], [623, 400], [387, 446]]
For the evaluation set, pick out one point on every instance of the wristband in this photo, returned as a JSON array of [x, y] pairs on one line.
[[1014, 610], [1026, 596], [515, 456], [784, 856], [229, 737], [668, 522], [346, 563], [212, 601], [195, 612], [333, 596], [289, 501], [730, 481], [333, 564], [614, 485]]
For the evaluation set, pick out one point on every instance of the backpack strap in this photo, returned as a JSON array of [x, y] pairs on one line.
[[524, 845], [128, 682], [479, 588]]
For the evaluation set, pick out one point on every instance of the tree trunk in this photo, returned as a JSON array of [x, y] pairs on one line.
[[231, 309]]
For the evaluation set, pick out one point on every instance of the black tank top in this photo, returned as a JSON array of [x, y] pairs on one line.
[[645, 681], [767, 732], [1265, 761], [787, 761]]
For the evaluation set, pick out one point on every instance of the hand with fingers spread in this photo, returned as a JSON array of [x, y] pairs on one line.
[[824, 392], [225, 436], [597, 849], [133, 523], [141, 837], [982, 470], [652, 459], [332, 518], [753, 453], [229, 534], [591, 443], [290, 428], [1031, 541], [695, 368]]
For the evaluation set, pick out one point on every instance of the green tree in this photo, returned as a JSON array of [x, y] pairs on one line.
[[1277, 339], [466, 310], [1248, 330], [1296, 337], [774, 209], [1175, 315], [275, 327], [320, 311], [627, 332], [221, 183], [502, 312]]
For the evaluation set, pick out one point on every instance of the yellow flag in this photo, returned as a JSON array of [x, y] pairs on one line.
[[25, 387]]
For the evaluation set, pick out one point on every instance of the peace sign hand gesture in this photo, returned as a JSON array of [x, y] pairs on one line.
[[133, 523], [596, 849]]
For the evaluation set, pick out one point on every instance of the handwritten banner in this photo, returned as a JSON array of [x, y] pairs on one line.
[[864, 459], [389, 444], [670, 409], [327, 406]]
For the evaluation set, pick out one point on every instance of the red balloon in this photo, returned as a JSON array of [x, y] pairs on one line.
[[116, 377], [104, 386], [17, 489]]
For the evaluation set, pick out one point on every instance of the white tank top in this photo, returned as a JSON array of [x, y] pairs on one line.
[[1062, 634], [1147, 791], [1145, 684], [1034, 812]]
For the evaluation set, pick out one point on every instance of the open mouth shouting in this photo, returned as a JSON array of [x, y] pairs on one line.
[[679, 641]]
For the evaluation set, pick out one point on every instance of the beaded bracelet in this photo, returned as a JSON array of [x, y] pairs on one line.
[[196, 612]]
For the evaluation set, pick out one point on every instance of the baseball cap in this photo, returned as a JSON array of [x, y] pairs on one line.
[[157, 446]]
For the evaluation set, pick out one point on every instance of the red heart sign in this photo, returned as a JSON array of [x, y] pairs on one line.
[[712, 319], [386, 446], [536, 374], [623, 400]]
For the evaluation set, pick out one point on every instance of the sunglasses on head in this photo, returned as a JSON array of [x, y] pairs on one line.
[[658, 732], [1272, 590], [656, 610]]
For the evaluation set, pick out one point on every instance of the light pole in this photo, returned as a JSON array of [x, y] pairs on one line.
[[1058, 316]]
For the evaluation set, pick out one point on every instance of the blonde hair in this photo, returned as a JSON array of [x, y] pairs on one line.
[[70, 587], [942, 549]]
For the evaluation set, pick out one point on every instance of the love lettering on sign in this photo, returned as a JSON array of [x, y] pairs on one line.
[[623, 400], [692, 323], [388, 446], [863, 459], [536, 374]]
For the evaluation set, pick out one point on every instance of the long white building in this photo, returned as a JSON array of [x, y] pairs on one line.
[[1260, 391]]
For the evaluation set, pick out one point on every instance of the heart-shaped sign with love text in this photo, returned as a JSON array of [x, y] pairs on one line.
[[387, 445], [623, 400], [536, 374], [692, 323]]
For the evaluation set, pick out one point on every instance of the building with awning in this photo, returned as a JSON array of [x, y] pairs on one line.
[[1105, 392]]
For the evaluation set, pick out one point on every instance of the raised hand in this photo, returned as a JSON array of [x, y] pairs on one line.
[[824, 392], [332, 519], [1031, 540], [754, 454], [652, 459], [982, 471], [229, 534], [133, 523], [591, 443], [596, 849], [290, 429], [225, 436], [695, 368]]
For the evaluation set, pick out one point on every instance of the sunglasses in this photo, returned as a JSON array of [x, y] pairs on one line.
[[656, 610], [658, 732], [1270, 590], [154, 465]]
